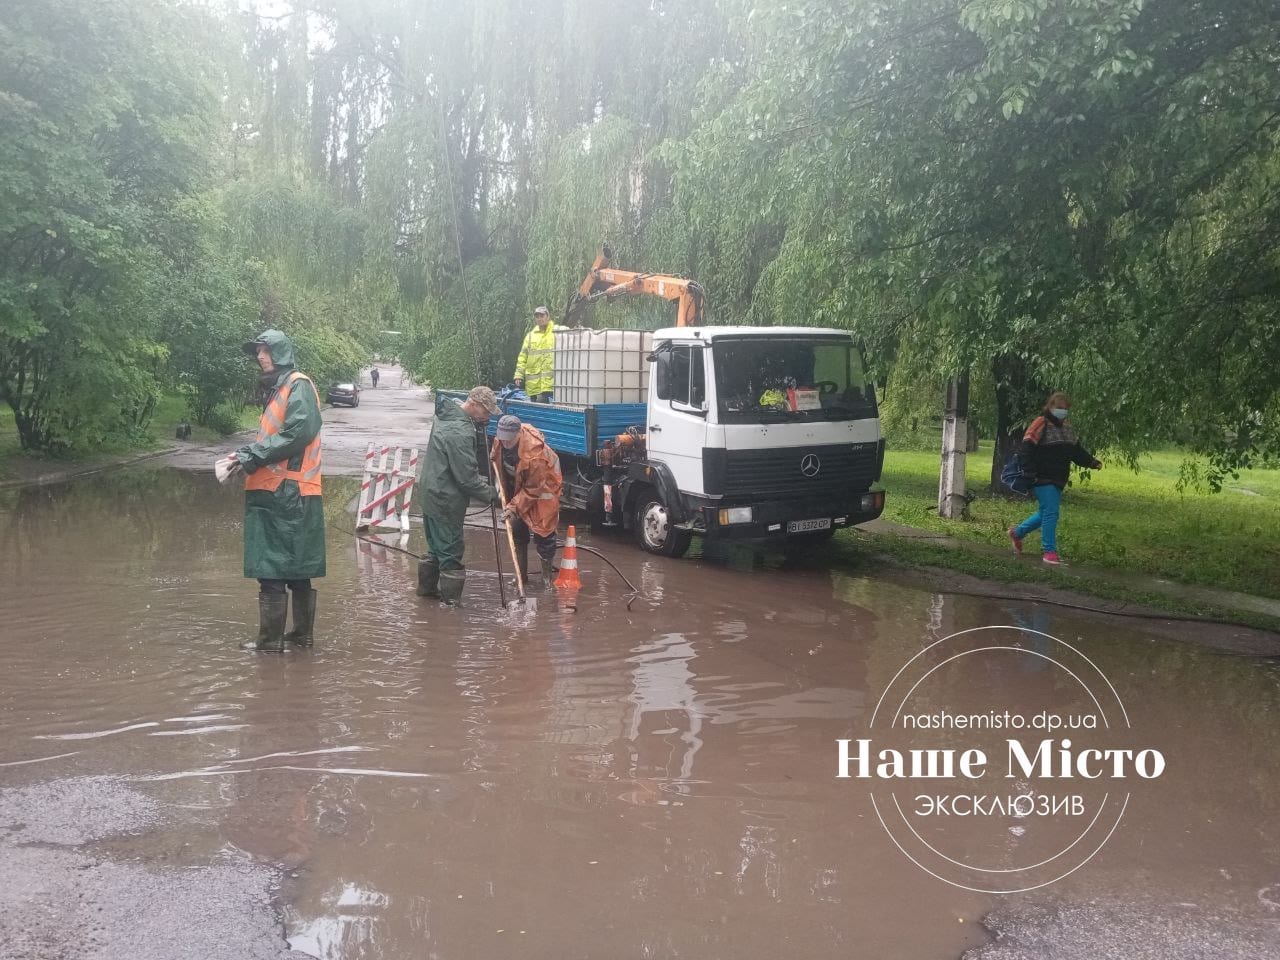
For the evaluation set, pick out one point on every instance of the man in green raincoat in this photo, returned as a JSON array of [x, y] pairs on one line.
[[450, 480], [283, 508]]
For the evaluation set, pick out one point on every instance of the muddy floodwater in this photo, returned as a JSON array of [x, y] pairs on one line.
[[651, 782]]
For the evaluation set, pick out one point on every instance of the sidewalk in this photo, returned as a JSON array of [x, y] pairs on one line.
[[36, 473], [1081, 576]]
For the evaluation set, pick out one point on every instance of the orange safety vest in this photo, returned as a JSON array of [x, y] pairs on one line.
[[270, 476]]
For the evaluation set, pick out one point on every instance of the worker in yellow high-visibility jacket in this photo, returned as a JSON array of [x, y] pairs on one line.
[[537, 354]]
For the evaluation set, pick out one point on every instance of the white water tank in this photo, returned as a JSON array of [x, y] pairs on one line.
[[602, 366]]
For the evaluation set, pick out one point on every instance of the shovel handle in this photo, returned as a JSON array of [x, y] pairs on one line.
[[511, 537]]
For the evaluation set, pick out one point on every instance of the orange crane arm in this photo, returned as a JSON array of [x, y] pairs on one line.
[[604, 282]]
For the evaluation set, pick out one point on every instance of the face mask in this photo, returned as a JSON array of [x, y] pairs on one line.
[[1060, 413]]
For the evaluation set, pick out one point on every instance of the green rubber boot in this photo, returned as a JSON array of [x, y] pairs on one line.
[[273, 610], [428, 577], [304, 618], [451, 584], [548, 574]]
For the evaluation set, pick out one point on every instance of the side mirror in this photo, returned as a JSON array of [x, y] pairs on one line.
[[662, 374], [663, 349]]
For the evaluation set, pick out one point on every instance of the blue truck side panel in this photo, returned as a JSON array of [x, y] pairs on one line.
[[614, 418], [576, 430]]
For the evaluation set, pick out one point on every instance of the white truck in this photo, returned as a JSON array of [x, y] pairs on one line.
[[746, 433]]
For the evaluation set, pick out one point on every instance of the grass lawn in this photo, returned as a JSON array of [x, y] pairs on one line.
[[1118, 519], [170, 411]]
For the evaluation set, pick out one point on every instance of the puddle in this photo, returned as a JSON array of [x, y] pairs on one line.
[[655, 781]]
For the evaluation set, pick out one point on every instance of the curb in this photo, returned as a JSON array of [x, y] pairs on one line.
[[77, 472], [1227, 607]]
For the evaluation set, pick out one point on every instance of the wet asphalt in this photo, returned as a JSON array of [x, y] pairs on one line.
[[590, 780]]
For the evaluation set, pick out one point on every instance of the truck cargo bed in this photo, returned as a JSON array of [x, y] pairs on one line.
[[569, 428]]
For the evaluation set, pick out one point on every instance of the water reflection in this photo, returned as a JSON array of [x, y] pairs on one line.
[[347, 930], [657, 780], [662, 691]]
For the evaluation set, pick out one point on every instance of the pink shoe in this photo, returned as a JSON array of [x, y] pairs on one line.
[[1015, 540], [1052, 559]]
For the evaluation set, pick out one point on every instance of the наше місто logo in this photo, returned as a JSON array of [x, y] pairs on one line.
[[998, 759]]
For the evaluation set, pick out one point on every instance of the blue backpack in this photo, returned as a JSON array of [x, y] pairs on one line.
[[1018, 476]]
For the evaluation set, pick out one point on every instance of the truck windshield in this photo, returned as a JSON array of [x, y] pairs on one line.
[[780, 379]]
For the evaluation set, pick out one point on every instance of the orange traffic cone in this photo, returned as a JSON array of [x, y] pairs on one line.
[[569, 579]]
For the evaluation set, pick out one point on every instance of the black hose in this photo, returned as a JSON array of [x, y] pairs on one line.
[[480, 526], [635, 591], [621, 575], [376, 543]]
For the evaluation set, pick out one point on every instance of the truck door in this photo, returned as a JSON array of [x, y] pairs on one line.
[[678, 412]]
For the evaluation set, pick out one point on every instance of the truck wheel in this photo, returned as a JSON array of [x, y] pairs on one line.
[[654, 529]]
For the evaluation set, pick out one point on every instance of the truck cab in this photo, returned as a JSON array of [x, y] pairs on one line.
[[766, 434], [754, 433]]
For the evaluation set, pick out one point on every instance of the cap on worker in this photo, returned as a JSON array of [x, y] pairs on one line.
[[541, 312], [484, 396], [508, 427]]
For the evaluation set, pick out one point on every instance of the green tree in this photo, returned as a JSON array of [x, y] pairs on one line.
[[1066, 194], [109, 119]]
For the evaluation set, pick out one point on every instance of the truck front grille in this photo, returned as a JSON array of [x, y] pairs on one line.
[[799, 472]]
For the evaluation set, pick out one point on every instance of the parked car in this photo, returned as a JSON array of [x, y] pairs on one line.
[[347, 394]]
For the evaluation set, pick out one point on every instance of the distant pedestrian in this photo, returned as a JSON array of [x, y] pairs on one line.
[[373, 375], [537, 358], [1048, 449], [283, 509], [529, 471], [450, 478]]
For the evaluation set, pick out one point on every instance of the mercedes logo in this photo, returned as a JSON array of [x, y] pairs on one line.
[[810, 464]]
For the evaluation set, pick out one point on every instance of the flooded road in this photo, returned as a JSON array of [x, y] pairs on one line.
[[656, 782]]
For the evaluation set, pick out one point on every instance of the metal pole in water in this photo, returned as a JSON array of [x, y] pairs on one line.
[[493, 523]]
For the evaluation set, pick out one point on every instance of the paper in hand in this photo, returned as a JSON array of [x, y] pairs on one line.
[[225, 468]]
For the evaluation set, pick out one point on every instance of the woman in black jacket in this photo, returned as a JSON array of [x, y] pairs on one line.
[[1048, 449]]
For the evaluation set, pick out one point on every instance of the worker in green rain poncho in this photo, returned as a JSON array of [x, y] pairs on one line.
[[450, 480], [283, 509]]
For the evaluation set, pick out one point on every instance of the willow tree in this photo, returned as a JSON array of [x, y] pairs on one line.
[[1065, 194], [486, 144]]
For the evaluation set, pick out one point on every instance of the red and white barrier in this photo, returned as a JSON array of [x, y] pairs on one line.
[[387, 488]]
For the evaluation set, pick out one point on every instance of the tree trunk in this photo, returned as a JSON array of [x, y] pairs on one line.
[[1014, 392]]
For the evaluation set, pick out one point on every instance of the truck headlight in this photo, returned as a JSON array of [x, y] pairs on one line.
[[735, 515], [872, 502]]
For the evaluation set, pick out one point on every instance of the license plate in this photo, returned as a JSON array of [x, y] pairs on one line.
[[803, 526]]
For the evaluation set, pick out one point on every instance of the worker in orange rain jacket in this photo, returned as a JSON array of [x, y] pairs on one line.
[[530, 476]]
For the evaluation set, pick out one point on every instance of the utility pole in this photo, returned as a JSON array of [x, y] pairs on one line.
[[952, 502]]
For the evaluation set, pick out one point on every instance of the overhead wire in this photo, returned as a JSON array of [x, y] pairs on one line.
[[469, 319]]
